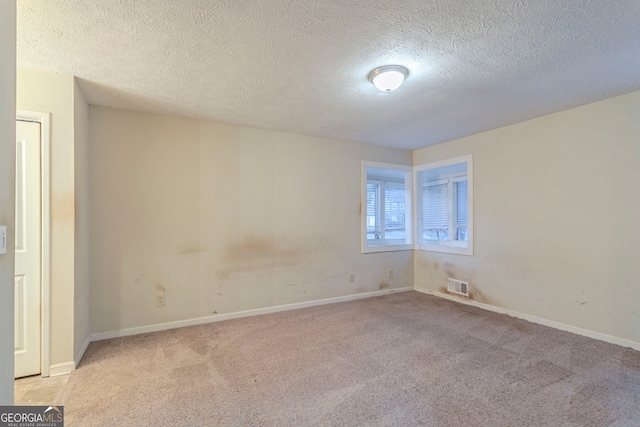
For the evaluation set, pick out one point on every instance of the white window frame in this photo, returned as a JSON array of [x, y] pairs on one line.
[[446, 246], [387, 245]]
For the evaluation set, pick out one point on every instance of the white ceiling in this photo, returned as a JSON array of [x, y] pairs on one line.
[[301, 66]]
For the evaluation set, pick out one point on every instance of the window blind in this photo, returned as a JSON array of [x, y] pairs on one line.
[[435, 211], [394, 217], [373, 211], [461, 209]]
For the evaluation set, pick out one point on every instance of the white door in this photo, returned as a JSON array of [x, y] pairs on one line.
[[28, 248]]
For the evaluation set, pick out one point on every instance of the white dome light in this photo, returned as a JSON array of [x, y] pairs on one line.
[[389, 77]]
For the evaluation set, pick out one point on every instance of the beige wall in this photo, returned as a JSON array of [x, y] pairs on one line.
[[7, 188], [53, 93], [223, 219], [81, 214], [556, 218]]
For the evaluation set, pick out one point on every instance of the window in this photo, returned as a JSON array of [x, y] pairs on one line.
[[445, 206], [385, 211], [444, 209], [386, 199]]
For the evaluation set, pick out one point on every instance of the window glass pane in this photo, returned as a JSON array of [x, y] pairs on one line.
[[373, 211], [435, 212], [386, 211], [461, 210], [444, 193], [462, 234], [394, 212]]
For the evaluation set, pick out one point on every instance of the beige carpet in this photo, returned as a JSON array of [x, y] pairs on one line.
[[405, 359]]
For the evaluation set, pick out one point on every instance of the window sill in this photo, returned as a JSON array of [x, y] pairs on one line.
[[446, 249], [386, 248]]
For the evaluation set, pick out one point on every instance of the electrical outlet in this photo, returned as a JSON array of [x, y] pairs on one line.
[[352, 277], [390, 274], [159, 299]]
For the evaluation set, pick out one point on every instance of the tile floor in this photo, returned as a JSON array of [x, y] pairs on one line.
[[37, 390]]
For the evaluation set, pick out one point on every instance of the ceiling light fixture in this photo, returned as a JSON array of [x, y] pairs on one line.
[[389, 77]]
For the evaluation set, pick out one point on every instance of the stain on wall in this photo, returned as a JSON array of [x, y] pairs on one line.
[[476, 295], [522, 260], [437, 268], [260, 219], [256, 252]]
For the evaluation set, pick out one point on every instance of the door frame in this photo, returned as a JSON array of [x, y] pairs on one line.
[[44, 119]]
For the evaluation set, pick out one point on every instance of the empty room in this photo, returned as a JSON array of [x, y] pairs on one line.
[[301, 213]]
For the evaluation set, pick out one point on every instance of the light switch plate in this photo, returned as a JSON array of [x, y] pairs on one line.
[[3, 239]]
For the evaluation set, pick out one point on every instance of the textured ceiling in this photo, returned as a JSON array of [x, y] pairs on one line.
[[301, 66]]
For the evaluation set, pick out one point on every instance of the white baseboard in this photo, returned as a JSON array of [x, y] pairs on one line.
[[61, 368], [238, 314], [557, 325], [82, 350]]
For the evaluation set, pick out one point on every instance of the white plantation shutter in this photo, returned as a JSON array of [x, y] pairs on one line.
[[435, 211], [461, 218], [373, 211]]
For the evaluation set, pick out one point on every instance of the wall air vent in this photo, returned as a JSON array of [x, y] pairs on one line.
[[459, 287]]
